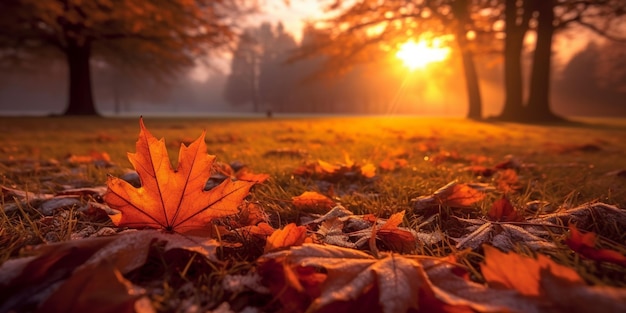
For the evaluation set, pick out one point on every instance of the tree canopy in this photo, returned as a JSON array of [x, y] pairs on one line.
[[157, 36]]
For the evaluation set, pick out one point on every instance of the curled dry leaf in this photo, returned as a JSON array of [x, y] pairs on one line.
[[394, 238], [27, 281], [453, 194], [172, 200], [291, 235], [585, 245], [100, 288]]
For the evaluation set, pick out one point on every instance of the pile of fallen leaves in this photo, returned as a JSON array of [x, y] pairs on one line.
[[193, 231]]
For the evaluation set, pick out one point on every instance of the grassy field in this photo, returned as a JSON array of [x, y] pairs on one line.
[[564, 165]]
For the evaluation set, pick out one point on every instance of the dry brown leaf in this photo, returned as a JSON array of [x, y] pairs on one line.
[[97, 289], [27, 281], [351, 273], [398, 283], [172, 200]]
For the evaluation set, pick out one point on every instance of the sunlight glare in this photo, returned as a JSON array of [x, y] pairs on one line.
[[419, 54]]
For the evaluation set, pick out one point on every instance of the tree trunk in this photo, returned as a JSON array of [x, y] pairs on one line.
[[80, 101], [538, 107], [471, 84], [516, 28], [469, 69]]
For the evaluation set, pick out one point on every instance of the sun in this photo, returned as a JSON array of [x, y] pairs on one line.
[[419, 54]]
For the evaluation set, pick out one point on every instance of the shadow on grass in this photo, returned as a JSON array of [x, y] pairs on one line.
[[559, 121]]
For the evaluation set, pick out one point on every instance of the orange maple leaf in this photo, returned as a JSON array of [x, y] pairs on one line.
[[585, 245], [291, 235], [172, 200], [557, 287], [522, 273]]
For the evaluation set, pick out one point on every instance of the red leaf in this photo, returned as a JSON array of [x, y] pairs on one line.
[[584, 244], [503, 211]]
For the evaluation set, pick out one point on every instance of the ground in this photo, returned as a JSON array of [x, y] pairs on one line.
[[536, 167]]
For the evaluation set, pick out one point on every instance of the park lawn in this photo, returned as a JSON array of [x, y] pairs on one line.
[[560, 166]]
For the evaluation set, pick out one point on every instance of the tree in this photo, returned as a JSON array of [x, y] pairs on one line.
[[517, 15], [359, 29], [242, 85], [549, 17], [277, 78], [259, 74], [158, 36]]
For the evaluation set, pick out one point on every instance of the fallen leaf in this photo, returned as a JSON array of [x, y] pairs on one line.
[[290, 235], [97, 289], [368, 170], [503, 211], [311, 200], [28, 281], [261, 231], [585, 245], [331, 232], [326, 171], [522, 273], [392, 164], [394, 238], [503, 236], [453, 194], [294, 286], [558, 288], [507, 181], [97, 158], [392, 283], [172, 200], [327, 167]]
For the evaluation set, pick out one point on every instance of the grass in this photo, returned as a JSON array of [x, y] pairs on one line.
[[565, 165]]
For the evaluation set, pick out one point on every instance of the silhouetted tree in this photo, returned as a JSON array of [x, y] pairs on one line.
[[547, 17], [159, 36], [591, 81], [359, 29], [259, 74], [277, 78], [242, 85]]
